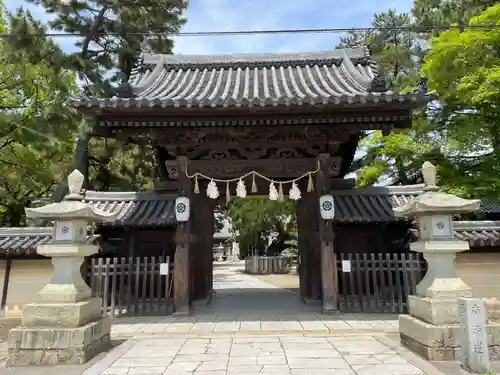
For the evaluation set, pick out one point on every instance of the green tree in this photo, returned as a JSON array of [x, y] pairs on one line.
[[113, 34], [37, 127], [464, 68], [398, 54], [255, 218], [446, 12]]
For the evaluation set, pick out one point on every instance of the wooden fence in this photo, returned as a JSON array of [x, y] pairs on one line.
[[378, 283], [131, 286], [264, 265]]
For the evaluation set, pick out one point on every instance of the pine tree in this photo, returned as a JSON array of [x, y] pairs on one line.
[[112, 33]]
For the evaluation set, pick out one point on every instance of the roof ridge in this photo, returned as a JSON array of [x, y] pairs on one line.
[[476, 224], [416, 189], [26, 231], [252, 58], [146, 195]]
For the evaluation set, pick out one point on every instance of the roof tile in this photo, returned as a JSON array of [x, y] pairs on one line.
[[343, 76], [139, 209], [373, 204]]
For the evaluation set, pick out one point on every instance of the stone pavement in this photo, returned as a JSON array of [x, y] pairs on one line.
[[245, 304], [251, 327], [263, 354]]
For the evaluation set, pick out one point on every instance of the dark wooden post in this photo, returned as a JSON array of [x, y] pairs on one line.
[[202, 226], [183, 240], [302, 231], [326, 236]]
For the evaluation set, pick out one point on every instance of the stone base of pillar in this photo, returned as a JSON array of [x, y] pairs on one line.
[[441, 342], [58, 346], [433, 310], [59, 334]]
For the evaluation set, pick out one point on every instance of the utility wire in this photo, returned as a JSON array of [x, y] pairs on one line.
[[261, 32]]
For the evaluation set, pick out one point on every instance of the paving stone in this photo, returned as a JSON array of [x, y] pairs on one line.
[[275, 368], [313, 325], [271, 326], [115, 371], [322, 353], [324, 371], [147, 370], [201, 357], [361, 360], [255, 339], [142, 362], [291, 326], [212, 366], [390, 358], [388, 369], [202, 327], [271, 360], [250, 326], [179, 327], [302, 339], [243, 361], [183, 366], [149, 353], [318, 363], [243, 369], [307, 346]]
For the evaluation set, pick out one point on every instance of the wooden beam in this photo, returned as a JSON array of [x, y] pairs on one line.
[[182, 277], [5, 289], [328, 268], [272, 168]]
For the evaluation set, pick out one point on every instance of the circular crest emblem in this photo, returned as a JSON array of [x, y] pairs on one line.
[[440, 225], [181, 208], [327, 206], [65, 229]]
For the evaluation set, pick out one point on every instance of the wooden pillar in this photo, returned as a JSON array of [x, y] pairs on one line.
[[314, 251], [308, 242], [326, 236], [202, 251], [302, 231], [183, 240], [5, 289]]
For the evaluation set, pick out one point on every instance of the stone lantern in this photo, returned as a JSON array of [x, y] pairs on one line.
[[431, 328], [65, 325]]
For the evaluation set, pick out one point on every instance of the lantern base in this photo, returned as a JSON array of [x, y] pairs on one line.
[[61, 315], [442, 342], [37, 346]]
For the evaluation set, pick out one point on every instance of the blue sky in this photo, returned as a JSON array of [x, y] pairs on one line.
[[232, 15]]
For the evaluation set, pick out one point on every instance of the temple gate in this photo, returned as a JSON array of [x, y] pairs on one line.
[[282, 115]]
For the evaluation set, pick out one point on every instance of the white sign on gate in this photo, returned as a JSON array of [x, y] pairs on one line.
[[164, 268], [346, 266]]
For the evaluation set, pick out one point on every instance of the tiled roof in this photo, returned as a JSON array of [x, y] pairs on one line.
[[18, 241], [374, 204], [137, 209], [478, 233], [24, 241], [336, 77], [489, 207]]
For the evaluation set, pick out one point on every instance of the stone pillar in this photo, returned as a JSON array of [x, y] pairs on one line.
[[432, 326], [65, 325], [472, 316]]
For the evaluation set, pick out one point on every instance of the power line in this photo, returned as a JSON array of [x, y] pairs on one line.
[[261, 32]]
